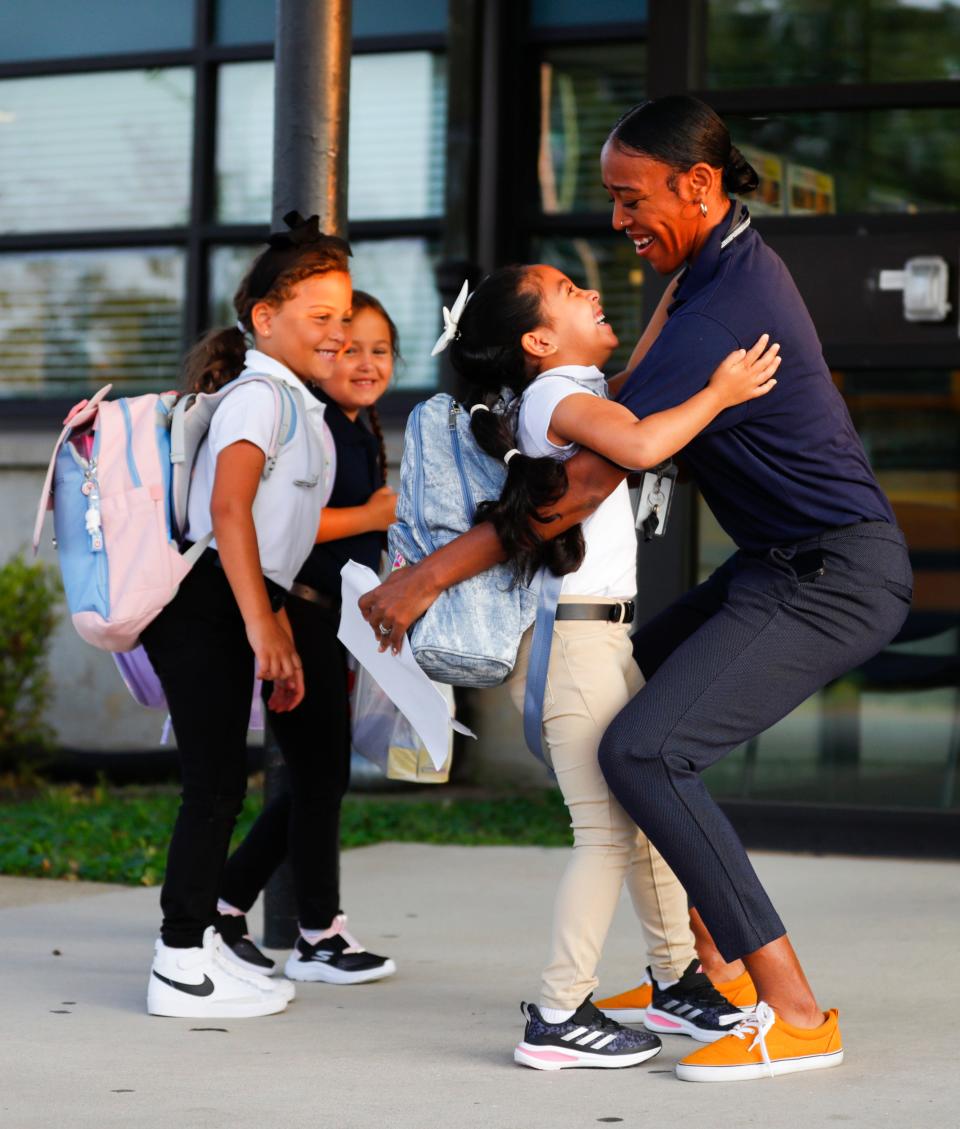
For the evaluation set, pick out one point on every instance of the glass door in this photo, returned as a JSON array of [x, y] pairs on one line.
[[851, 113]]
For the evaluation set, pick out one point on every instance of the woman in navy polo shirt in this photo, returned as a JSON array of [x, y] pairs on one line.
[[821, 580]]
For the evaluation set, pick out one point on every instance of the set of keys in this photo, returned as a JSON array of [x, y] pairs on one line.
[[656, 495]]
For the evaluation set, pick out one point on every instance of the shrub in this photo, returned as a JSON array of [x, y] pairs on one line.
[[29, 595]]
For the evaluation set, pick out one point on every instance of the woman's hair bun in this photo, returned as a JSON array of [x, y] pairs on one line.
[[739, 175]]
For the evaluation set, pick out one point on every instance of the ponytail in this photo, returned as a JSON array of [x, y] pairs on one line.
[[532, 487], [374, 420], [215, 360], [488, 354], [739, 176]]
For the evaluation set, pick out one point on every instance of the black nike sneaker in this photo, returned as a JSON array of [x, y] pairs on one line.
[[691, 1007], [337, 959], [587, 1038], [233, 932]]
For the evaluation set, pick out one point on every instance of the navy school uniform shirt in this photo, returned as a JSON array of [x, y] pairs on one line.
[[358, 475], [781, 468]]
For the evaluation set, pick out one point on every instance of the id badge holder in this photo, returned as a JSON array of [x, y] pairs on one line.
[[656, 497]]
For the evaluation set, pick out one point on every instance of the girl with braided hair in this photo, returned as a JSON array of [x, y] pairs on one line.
[[314, 738]]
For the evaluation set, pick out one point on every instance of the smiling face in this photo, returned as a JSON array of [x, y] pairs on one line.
[[575, 330], [364, 368], [658, 208], [307, 330]]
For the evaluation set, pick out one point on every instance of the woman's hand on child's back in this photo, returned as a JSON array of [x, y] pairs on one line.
[[277, 662], [382, 507], [747, 373]]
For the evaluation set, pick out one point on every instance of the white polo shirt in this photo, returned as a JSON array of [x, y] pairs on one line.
[[609, 567], [286, 515]]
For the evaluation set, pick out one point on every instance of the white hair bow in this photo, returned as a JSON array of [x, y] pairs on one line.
[[451, 320]]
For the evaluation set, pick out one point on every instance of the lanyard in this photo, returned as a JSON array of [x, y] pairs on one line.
[[739, 223]]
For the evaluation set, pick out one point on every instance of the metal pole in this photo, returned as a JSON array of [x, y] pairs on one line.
[[311, 115], [311, 111]]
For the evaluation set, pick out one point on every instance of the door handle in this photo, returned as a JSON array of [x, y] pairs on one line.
[[924, 281]]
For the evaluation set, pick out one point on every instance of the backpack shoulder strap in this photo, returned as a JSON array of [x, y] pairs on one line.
[[77, 419], [189, 423], [540, 645], [294, 397]]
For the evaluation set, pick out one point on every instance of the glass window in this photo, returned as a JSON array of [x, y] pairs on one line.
[[397, 124], [886, 734], [254, 21], [400, 272], [610, 266], [870, 161], [96, 151], [387, 17], [583, 91], [574, 13], [64, 29], [794, 42], [71, 322], [245, 21]]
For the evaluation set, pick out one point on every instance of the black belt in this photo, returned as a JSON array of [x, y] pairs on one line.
[[311, 595], [621, 612], [276, 593]]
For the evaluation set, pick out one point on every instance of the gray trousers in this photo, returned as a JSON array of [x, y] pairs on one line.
[[726, 662]]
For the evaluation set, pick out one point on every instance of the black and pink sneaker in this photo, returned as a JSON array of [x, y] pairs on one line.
[[587, 1038], [235, 935], [337, 958]]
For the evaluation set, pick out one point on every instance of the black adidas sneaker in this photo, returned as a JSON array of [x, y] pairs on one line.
[[241, 949], [587, 1038], [691, 1007], [337, 959]]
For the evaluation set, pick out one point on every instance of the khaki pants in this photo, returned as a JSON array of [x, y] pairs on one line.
[[591, 677]]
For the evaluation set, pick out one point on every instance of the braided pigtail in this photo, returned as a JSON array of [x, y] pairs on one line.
[[374, 420]]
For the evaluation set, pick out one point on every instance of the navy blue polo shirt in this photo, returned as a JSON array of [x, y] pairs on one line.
[[775, 470], [357, 476]]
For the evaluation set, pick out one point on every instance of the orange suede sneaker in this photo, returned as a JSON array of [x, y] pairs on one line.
[[740, 992], [628, 1007], [762, 1046]]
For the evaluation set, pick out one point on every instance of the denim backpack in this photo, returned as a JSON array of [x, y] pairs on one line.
[[470, 635]]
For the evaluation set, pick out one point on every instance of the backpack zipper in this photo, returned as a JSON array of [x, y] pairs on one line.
[[418, 517], [468, 504]]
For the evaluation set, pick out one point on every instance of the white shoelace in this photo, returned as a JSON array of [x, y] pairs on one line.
[[758, 1023]]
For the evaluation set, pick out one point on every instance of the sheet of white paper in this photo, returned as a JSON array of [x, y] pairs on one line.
[[404, 683]]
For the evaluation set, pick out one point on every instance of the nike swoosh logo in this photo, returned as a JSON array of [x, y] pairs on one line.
[[204, 989]]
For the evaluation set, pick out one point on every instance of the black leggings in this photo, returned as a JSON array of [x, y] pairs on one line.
[[315, 742], [198, 647]]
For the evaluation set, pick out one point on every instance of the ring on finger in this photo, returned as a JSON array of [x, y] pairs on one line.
[[384, 629]]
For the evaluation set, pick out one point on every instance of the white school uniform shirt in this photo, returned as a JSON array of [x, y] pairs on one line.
[[286, 516], [609, 566]]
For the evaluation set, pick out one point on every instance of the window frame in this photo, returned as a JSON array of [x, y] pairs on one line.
[[203, 231]]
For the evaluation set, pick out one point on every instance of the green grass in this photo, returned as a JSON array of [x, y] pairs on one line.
[[120, 834]]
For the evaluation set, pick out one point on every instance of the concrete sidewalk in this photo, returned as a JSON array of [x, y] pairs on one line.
[[432, 1046]]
